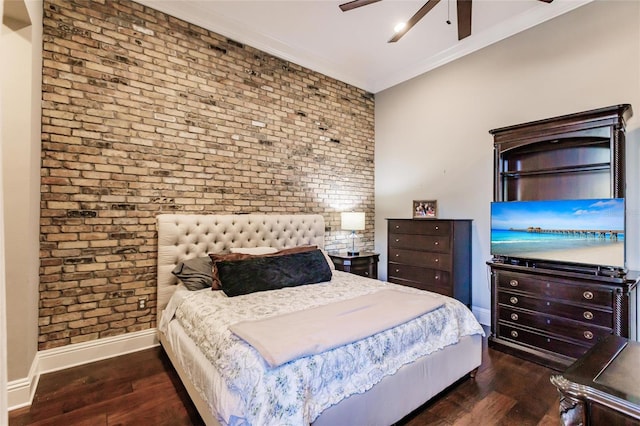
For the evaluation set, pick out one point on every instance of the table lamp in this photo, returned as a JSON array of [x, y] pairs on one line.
[[352, 221]]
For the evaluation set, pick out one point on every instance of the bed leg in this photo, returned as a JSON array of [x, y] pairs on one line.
[[473, 372]]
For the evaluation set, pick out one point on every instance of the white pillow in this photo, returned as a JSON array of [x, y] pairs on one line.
[[329, 261], [256, 251]]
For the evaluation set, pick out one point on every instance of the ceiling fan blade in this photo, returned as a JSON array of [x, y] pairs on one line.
[[464, 18], [547, 1], [356, 3], [414, 20]]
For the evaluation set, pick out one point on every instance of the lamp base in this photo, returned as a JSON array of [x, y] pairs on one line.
[[353, 253]]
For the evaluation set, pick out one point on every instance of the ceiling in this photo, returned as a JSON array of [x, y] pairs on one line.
[[352, 46]]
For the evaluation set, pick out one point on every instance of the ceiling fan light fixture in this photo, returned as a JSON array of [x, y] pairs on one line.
[[463, 17], [399, 27]]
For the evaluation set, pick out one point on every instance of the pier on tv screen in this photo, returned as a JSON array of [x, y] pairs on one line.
[[587, 231]]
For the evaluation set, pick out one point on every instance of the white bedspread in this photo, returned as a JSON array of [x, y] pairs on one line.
[[297, 392]]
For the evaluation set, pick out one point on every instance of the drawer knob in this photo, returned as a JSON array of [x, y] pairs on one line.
[[514, 317], [513, 283], [397, 240], [588, 335], [436, 277], [587, 295], [513, 300], [397, 270], [437, 227], [397, 226], [437, 260], [397, 255], [588, 315], [514, 333]]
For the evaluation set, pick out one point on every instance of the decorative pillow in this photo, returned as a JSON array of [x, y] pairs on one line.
[[296, 249], [254, 250], [216, 257], [196, 273], [263, 273], [332, 266]]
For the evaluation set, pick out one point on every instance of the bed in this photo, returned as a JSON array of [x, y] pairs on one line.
[[223, 397]]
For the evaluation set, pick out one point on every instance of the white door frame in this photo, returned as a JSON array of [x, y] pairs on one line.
[[3, 320]]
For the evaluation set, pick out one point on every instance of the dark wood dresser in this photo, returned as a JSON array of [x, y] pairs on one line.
[[602, 387], [431, 254], [553, 317]]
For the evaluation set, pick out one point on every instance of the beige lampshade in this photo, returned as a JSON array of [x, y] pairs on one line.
[[352, 221]]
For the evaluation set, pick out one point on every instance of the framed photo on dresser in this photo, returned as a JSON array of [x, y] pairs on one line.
[[425, 209]]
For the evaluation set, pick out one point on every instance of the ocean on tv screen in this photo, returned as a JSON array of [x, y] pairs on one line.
[[576, 231]]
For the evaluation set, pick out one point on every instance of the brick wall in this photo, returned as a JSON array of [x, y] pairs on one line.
[[146, 114]]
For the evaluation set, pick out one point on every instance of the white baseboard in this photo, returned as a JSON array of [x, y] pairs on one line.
[[482, 315], [95, 350], [20, 392]]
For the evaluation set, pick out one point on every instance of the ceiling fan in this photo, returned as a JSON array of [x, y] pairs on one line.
[[463, 9]]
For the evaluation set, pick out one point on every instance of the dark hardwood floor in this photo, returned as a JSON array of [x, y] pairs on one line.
[[143, 389]]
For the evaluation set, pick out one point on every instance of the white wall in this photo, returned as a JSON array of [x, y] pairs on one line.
[[432, 139], [3, 322], [21, 40]]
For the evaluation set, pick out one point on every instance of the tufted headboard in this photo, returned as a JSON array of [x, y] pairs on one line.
[[184, 236]]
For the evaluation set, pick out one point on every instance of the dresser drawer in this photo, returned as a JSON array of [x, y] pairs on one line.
[[418, 274], [420, 227], [577, 292], [581, 331], [590, 315], [433, 243], [414, 276], [363, 270], [420, 258], [542, 341], [434, 286]]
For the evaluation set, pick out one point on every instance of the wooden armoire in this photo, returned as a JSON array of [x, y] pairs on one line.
[[545, 311]]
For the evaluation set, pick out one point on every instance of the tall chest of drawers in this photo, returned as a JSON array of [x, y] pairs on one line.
[[553, 317], [431, 254]]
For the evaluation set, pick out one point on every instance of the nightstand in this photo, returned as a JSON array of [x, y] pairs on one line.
[[365, 264]]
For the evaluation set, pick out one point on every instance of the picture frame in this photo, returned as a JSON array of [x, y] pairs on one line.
[[425, 209]]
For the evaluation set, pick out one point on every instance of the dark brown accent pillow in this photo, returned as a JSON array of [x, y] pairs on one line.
[[293, 250], [221, 257], [218, 257]]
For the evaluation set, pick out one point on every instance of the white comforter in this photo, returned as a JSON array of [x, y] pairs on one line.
[[297, 392]]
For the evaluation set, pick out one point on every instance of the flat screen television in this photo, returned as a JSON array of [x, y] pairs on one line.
[[581, 232]]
